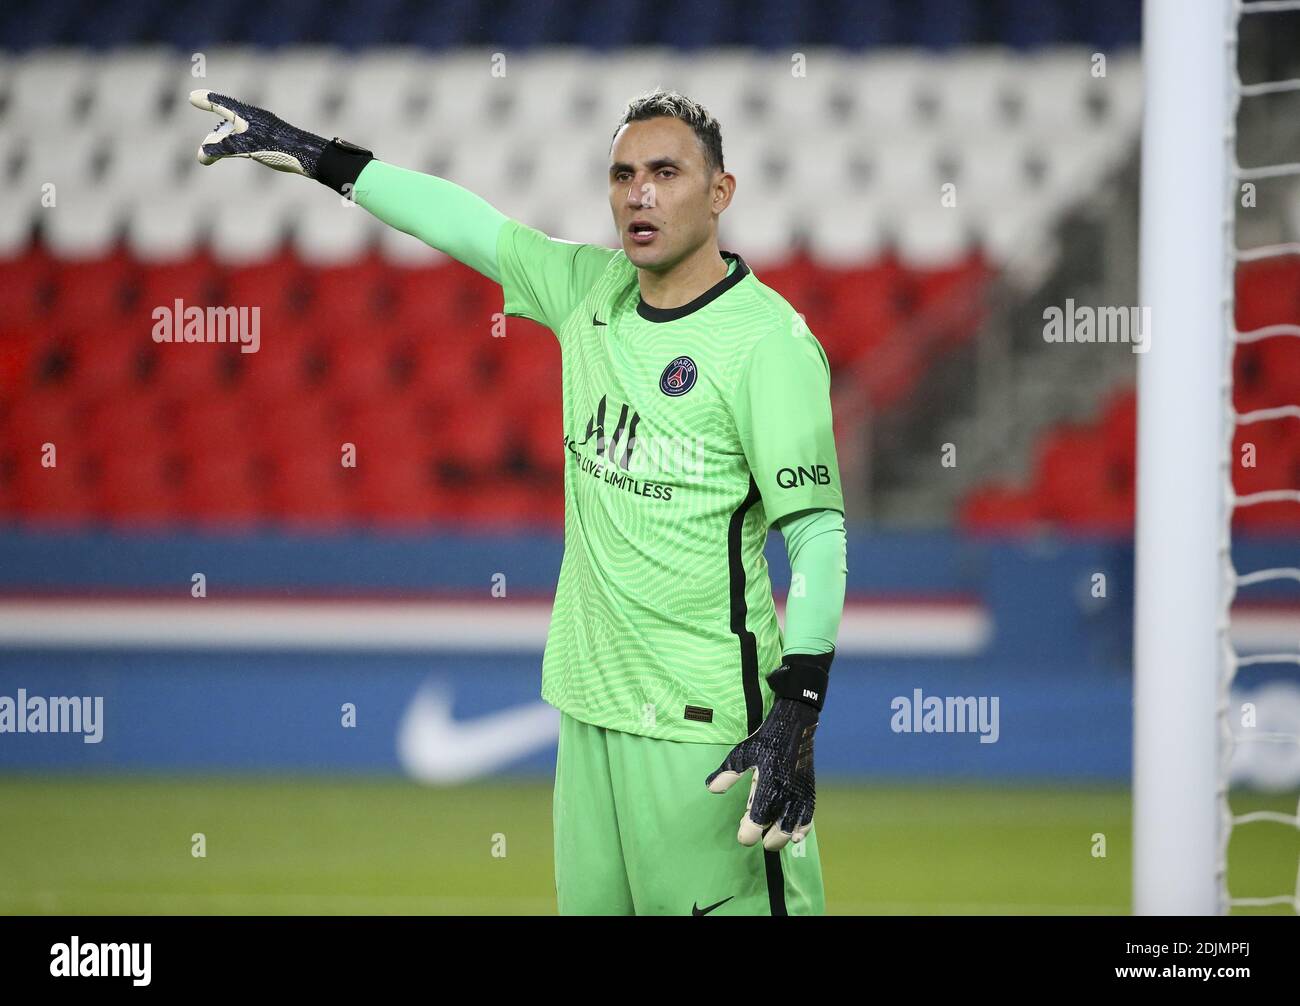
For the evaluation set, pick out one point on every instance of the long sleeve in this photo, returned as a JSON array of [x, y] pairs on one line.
[[817, 547], [440, 213]]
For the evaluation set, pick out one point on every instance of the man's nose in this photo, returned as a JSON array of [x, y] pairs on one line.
[[638, 194]]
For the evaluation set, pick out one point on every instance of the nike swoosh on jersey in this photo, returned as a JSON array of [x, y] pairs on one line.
[[697, 910], [596, 321], [435, 747]]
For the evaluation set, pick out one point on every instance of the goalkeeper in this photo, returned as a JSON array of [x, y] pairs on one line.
[[697, 414]]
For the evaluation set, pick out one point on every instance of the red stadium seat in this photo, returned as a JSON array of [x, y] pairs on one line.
[[1268, 293], [26, 287], [421, 296], [998, 508], [136, 422], [108, 361], [307, 424], [393, 482], [194, 280], [212, 424], [1081, 480], [360, 364], [308, 488], [136, 485], [284, 367], [21, 349], [1278, 468], [1280, 366], [279, 287], [473, 436], [38, 417], [539, 418], [220, 486], [93, 291], [61, 494], [351, 297], [450, 370]]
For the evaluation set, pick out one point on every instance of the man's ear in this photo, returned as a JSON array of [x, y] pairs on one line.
[[724, 187]]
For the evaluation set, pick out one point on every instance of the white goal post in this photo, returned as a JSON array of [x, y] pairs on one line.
[[1181, 422]]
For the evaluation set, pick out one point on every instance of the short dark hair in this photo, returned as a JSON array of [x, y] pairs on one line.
[[660, 102]]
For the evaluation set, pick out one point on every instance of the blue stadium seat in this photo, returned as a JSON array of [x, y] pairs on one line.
[[107, 25], [1028, 24], [357, 24], [601, 25], [441, 26], [38, 23], [855, 26], [194, 25], [688, 24], [773, 24], [275, 23], [526, 23], [941, 24], [1107, 24]]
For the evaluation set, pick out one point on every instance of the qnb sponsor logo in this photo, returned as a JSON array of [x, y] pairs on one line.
[[58, 714], [178, 323], [75, 959], [946, 714], [1131, 325], [792, 478]]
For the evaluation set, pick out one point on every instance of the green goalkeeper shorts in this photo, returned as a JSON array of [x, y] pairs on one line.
[[637, 833]]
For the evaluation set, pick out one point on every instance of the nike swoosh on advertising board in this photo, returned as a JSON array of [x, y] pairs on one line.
[[434, 747]]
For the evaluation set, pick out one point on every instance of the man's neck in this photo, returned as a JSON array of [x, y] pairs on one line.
[[685, 281]]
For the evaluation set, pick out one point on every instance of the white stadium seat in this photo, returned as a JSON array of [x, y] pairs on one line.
[[235, 70], [811, 102], [165, 228], [931, 238], [887, 89], [135, 84], [18, 211], [381, 94], [972, 91], [250, 230], [845, 232], [460, 94], [145, 160], [82, 225], [66, 157], [333, 233], [846, 156], [46, 88], [549, 90], [304, 84]]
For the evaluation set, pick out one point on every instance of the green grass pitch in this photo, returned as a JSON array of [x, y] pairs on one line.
[[312, 846]]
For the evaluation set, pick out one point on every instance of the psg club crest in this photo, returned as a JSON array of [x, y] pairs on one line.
[[678, 377]]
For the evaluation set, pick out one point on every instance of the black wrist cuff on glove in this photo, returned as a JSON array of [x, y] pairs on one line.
[[340, 164], [803, 677]]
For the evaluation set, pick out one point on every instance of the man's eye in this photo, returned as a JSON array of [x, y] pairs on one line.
[[668, 171]]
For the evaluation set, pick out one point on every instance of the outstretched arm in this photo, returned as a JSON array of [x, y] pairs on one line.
[[440, 213]]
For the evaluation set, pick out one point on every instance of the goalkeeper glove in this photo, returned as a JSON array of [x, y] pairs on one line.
[[783, 795], [249, 131]]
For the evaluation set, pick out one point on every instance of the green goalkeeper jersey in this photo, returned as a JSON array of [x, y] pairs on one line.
[[687, 432]]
